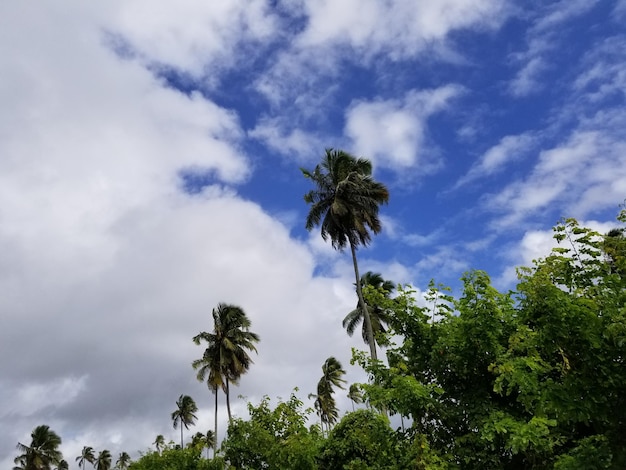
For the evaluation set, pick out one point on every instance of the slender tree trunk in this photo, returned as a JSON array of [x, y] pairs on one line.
[[230, 418], [363, 306], [181, 434], [215, 441]]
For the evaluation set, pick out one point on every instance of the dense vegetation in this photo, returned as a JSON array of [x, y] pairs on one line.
[[529, 379]]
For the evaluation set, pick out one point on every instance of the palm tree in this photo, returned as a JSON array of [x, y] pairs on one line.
[[379, 317], [43, 451], [226, 357], [332, 376], [159, 443], [63, 465], [103, 462], [355, 394], [85, 456], [185, 414], [345, 204], [123, 461]]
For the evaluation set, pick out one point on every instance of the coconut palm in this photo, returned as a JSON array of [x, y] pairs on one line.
[[103, 461], [123, 461], [43, 451], [159, 443], [63, 465], [355, 394], [226, 357], [85, 456], [184, 414], [345, 204], [332, 376], [379, 317]]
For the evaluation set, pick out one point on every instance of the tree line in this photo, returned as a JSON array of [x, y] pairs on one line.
[[527, 379]]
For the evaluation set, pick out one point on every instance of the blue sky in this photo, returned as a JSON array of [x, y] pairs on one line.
[[149, 169]]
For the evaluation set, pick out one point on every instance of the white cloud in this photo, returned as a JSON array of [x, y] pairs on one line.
[[510, 148], [392, 133], [296, 144]]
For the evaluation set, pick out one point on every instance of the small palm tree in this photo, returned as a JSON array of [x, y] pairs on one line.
[[103, 461], [345, 204], [43, 451], [355, 394], [123, 461], [332, 376], [63, 465], [184, 414], [379, 317], [85, 456], [159, 443]]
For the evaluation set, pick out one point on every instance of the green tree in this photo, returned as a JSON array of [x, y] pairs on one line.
[[184, 415], [103, 461], [332, 376], [345, 204], [379, 316], [203, 440], [43, 451], [86, 456], [273, 438], [63, 465], [226, 357], [123, 461]]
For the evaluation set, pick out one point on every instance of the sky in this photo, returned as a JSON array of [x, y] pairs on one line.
[[150, 161]]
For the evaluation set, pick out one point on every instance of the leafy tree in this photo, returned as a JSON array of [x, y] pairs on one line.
[[86, 456], [123, 461], [203, 440], [43, 451], [273, 438], [345, 204], [226, 357], [332, 376], [184, 414], [379, 317], [103, 461], [362, 440], [176, 459], [531, 379], [63, 465]]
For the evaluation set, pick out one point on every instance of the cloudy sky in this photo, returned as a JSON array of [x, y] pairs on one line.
[[149, 169]]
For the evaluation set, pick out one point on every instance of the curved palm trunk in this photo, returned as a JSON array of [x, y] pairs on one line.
[[363, 306]]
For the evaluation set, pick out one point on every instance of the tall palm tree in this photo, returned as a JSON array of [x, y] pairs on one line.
[[332, 376], [184, 414], [379, 317], [159, 443], [226, 357], [345, 204], [103, 461], [63, 465], [43, 451], [123, 461], [85, 456]]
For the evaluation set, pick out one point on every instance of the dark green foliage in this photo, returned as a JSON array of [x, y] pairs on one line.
[[361, 440], [273, 438], [42, 453], [176, 459]]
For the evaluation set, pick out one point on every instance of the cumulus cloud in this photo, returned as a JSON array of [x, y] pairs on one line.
[[392, 133]]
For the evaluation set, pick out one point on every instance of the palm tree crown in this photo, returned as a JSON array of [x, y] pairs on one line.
[[184, 414], [379, 317], [87, 455], [345, 204], [123, 461], [43, 451], [103, 462]]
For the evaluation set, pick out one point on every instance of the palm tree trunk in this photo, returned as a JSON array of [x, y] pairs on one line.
[[215, 442], [363, 305], [230, 418], [181, 435]]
